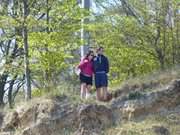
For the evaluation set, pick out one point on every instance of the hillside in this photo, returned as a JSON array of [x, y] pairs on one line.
[[133, 46], [134, 110]]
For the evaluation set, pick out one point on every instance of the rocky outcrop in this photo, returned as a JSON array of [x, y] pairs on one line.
[[56, 116], [41, 115], [47, 117], [148, 103], [160, 130], [11, 121], [94, 118]]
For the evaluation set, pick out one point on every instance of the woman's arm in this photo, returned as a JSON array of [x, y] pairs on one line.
[[82, 63]]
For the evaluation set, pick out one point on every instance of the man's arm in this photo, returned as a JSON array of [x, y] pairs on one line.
[[107, 65]]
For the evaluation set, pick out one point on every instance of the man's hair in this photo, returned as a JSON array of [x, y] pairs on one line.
[[99, 48]]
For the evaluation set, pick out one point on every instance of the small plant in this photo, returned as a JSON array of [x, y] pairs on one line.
[[37, 92], [135, 95]]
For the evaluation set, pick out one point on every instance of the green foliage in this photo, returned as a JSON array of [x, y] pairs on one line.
[[137, 36], [128, 62], [136, 48], [53, 34], [120, 41], [37, 92], [51, 48], [135, 95]]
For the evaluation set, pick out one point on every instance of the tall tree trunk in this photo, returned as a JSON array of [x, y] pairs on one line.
[[173, 47], [26, 55], [164, 38], [177, 38], [163, 50], [46, 72]]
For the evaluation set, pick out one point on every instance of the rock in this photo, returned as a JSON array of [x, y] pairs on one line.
[[51, 117], [148, 103], [39, 129], [160, 130], [11, 122], [41, 117], [6, 133], [54, 116], [94, 118], [88, 119]]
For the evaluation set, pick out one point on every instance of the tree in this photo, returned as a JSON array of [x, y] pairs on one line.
[[140, 27], [26, 50], [56, 36], [10, 54], [44, 34]]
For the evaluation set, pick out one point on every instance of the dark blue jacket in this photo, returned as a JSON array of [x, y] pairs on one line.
[[101, 63]]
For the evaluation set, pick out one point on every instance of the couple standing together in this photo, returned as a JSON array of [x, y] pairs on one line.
[[99, 67]]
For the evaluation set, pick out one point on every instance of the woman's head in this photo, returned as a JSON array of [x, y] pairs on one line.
[[89, 55]]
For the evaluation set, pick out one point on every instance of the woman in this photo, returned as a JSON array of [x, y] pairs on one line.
[[86, 67]]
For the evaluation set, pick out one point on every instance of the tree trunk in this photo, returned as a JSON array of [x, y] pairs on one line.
[[173, 47], [26, 55], [46, 72], [3, 79], [10, 91], [177, 38]]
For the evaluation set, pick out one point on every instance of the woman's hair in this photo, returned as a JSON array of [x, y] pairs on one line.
[[88, 53]]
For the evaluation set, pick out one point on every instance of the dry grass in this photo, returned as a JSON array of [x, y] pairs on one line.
[[144, 127], [171, 122], [151, 81]]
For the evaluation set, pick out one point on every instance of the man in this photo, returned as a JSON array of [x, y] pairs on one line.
[[101, 68]]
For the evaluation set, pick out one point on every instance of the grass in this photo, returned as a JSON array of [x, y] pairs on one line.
[[134, 95], [65, 90], [72, 90], [64, 131], [146, 127], [150, 82]]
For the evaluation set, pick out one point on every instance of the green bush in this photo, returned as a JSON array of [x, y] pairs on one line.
[[135, 95]]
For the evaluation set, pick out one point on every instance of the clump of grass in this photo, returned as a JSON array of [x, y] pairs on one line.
[[135, 95]]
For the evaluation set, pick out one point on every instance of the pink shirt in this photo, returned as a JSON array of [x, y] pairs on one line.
[[86, 67]]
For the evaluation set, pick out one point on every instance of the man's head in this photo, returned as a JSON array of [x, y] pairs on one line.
[[100, 50]]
